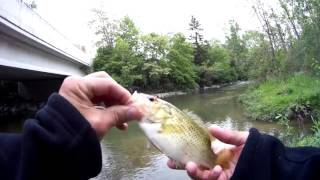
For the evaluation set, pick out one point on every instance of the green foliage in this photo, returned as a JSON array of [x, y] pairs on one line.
[[280, 96], [161, 62], [180, 56], [121, 60], [148, 61], [257, 56], [311, 140], [155, 47], [197, 38], [237, 51], [290, 43], [220, 61], [291, 138]]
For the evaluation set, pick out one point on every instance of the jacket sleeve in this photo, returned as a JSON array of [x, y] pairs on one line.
[[264, 157], [57, 144]]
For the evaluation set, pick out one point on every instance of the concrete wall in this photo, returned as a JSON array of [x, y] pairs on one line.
[[19, 58]]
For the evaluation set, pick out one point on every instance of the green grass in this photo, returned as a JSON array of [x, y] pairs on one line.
[[274, 97]]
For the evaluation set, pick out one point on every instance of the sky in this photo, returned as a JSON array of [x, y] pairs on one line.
[[71, 17]]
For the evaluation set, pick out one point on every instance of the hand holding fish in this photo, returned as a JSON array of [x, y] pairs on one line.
[[87, 93], [235, 138]]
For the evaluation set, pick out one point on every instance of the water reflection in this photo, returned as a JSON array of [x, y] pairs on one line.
[[130, 156], [221, 107]]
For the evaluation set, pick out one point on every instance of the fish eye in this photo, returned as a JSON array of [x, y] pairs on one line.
[[152, 99]]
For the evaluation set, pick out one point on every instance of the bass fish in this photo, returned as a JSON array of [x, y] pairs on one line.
[[177, 134]]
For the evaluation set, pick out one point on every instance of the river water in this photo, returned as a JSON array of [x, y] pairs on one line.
[[129, 155]]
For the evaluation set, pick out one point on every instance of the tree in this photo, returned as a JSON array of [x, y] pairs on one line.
[[237, 50], [265, 21], [104, 28], [155, 47], [182, 70], [129, 33], [31, 4], [258, 55], [290, 18], [119, 56], [219, 61], [155, 68], [197, 38]]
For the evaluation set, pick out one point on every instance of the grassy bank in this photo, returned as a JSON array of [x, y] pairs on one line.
[[290, 97], [296, 98]]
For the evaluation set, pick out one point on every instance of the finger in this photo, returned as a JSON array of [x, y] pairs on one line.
[[196, 172], [227, 136], [120, 114], [100, 74], [122, 127], [171, 164], [191, 168], [107, 90], [215, 172]]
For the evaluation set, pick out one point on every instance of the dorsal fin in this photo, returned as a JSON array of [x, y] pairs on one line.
[[195, 118]]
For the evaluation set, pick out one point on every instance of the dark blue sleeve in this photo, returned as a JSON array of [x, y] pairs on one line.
[[57, 144], [264, 157]]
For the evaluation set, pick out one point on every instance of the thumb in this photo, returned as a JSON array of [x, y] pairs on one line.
[[237, 138], [119, 114]]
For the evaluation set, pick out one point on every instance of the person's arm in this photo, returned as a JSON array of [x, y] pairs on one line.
[[58, 144], [265, 157], [62, 141]]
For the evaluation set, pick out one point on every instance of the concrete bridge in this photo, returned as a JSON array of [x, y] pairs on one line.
[[34, 53]]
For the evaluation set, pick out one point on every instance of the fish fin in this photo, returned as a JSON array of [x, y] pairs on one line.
[[224, 157], [197, 119]]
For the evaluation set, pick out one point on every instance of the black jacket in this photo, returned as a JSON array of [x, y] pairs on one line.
[[265, 158], [58, 144]]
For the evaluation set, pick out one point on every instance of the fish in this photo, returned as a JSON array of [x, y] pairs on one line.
[[178, 134]]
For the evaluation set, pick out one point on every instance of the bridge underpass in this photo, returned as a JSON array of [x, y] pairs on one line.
[[33, 53]]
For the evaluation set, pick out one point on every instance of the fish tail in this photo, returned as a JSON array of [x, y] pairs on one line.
[[224, 157]]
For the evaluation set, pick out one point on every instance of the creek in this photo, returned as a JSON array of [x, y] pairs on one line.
[[129, 155]]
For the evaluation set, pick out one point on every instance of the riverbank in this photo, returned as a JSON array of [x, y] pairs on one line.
[[206, 88], [285, 100], [298, 95], [16, 108]]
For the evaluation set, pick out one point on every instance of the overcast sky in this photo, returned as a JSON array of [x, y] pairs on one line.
[[71, 17]]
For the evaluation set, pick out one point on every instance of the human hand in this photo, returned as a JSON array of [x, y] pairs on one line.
[[87, 93], [235, 138]]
